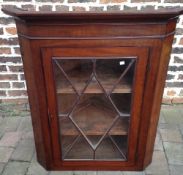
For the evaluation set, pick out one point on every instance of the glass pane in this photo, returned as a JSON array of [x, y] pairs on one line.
[[94, 115], [109, 72], [94, 104]]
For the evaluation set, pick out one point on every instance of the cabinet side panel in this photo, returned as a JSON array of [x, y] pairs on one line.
[[158, 93], [37, 99]]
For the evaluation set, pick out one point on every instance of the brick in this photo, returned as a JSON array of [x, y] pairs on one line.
[[10, 139], [172, 1], [45, 8], [8, 77], [5, 154], [145, 1], [181, 41], [17, 93], [170, 76], [159, 164], [175, 68], [174, 152], [62, 8], [16, 168], [10, 41], [50, 1], [17, 50], [178, 100], [129, 8], [166, 100], [174, 84], [181, 92], [5, 85], [117, 1], [148, 7], [177, 50], [81, 1], [29, 7], [18, 85], [180, 77], [96, 9], [2, 93], [3, 68], [113, 7], [17, 0], [24, 151], [174, 40], [1, 31], [11, 30], [78, 9], [6, 20], [22, 77], [16, 68], [5, 50], [178, 60], [178, 31], [171, 93], [10, 59]]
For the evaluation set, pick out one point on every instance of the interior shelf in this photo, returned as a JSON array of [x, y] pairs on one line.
[[66, 88], [106, 150], [107, 72], [95, 126], [94, 115]]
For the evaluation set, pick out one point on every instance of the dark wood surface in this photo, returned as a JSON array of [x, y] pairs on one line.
[[131, 14], [145, 35]]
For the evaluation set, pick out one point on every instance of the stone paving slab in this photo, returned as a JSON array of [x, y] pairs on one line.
[[173, 115], [174, 152], [133, 173], [10, 139], [171, 135], [2, 165], [109, 173], [62, 173], [5, 154], [24, 151], [16, 168], [159, 164], [25, 125], [9, 124], [176, 169], [158, 143], [36, 169], [18, 157], [79, 173]]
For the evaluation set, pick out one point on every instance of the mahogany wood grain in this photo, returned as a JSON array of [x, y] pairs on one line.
[[145, 35]]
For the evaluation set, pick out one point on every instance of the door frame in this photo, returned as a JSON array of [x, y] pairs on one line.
[[141, 54]]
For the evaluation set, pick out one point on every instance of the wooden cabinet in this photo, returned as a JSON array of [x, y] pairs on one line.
[[95, 84]]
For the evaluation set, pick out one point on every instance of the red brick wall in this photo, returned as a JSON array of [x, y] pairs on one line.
[[12, 84]]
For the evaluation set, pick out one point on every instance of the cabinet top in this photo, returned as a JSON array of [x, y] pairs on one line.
[[147, 15]]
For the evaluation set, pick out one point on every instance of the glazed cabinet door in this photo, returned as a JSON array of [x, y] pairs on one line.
[[94, 98]]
